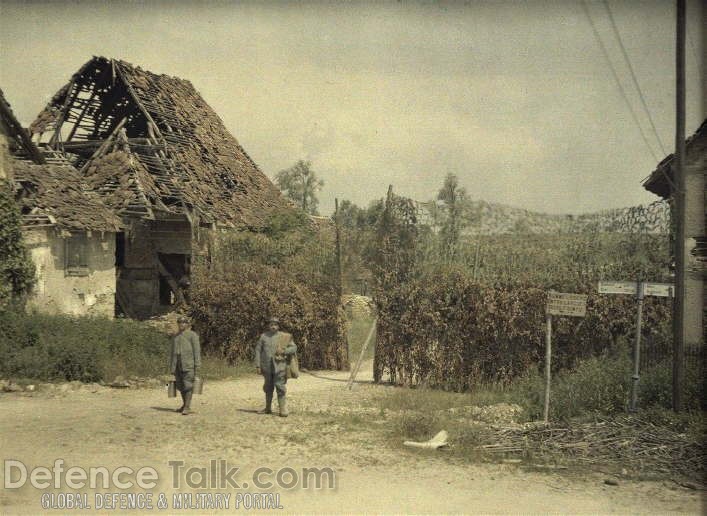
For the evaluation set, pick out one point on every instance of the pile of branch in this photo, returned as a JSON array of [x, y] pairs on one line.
[[633, 441]]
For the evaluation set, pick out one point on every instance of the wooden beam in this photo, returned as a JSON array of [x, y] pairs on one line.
[[170, 280], [62, 114], [105, 144]]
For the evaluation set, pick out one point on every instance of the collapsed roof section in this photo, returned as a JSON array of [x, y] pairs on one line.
[[153, 148], [57, 196], [20, 141]]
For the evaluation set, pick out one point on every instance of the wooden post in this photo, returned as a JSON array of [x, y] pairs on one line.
[[548, 364], [679, 206], [476, 259], [337, 230], [354, 371], [637, 346]]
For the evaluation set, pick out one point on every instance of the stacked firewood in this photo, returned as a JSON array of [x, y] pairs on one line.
[[634, 441]]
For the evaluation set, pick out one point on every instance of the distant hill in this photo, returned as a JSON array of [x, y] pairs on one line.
[[495, 219]]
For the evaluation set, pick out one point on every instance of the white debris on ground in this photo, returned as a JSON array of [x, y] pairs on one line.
[[165, 323], [438, 441], [358, 306]]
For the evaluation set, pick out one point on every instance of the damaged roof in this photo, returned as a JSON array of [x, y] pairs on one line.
[[660, 181], [53, 195], [20, 140], [115, 120]]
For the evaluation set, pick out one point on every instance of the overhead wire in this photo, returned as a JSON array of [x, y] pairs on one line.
[[633, 75], [616, 78]]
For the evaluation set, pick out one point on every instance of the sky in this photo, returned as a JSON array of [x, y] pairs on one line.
[[515, 98]]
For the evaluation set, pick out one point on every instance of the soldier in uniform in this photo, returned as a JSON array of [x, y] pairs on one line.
[[272, 352], [184, 359]]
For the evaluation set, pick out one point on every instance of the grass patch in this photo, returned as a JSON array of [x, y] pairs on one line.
[[89, 349], [218, 368], [589, 400]]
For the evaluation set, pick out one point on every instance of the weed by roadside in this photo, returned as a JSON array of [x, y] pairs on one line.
[[88, 349]]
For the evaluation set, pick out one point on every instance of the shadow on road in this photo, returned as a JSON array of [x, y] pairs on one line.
[[322, 377], [163, 409]]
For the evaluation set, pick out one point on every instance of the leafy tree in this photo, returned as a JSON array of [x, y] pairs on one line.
[[16, 268], [358, 232], [301, 184], [454, 199], [350, 215]]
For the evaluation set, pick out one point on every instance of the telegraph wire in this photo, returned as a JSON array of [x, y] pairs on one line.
[[616, 78], [633, 75]]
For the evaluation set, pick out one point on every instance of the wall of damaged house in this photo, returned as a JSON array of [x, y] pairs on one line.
[[154, 259], [695, 292], [75, 274], [4, 158]]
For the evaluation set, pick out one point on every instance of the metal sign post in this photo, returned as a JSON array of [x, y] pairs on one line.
[[548, 363], [637, 348], [558, 303], [640, 290]]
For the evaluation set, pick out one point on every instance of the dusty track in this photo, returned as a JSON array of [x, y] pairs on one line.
[[138, 428]]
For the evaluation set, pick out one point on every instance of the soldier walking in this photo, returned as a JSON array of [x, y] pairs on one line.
[[184, 359], [272, 352]]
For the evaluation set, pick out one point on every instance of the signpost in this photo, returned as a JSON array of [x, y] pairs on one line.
[[618, 287], [640, 290], [562, 304]]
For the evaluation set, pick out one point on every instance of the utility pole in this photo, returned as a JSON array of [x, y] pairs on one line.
[[679, 211], [339, 268]]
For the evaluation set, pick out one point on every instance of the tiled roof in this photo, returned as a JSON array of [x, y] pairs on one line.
[[659, 182], [182, 158], [52, 195]]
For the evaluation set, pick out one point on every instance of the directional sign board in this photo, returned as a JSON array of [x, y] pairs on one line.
[[659, 289], [573, 305], [631, 288], [618, 287]]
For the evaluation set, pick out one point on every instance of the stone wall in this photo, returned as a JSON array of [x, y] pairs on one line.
[[58, 292], [5, 170]]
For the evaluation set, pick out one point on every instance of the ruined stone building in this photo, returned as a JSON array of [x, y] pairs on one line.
[[121, 178], [68, 231]]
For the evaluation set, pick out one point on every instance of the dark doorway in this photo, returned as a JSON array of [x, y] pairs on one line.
[[120, 249], [174, 269]]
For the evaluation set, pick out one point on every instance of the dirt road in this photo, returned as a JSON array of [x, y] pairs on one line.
[[329, 427]]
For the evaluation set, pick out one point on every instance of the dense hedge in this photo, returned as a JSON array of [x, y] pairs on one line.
[[251, 277], [456, 324], [88, 349], [446, 330]]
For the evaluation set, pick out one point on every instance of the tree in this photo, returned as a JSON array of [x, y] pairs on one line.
[[454, 199], [358, 231], [301, 184], [16, 267]]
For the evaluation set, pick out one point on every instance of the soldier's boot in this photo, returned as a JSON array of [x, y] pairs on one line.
[[268, 405], [187, 403], [180, 409], [282, 402]]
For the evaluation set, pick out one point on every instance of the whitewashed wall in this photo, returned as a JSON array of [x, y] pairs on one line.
[[55, 291]]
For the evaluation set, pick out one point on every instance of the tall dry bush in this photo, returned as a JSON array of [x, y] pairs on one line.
[[289, 274]]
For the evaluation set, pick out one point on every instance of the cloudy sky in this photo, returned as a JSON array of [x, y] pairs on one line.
[[516, 98]]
